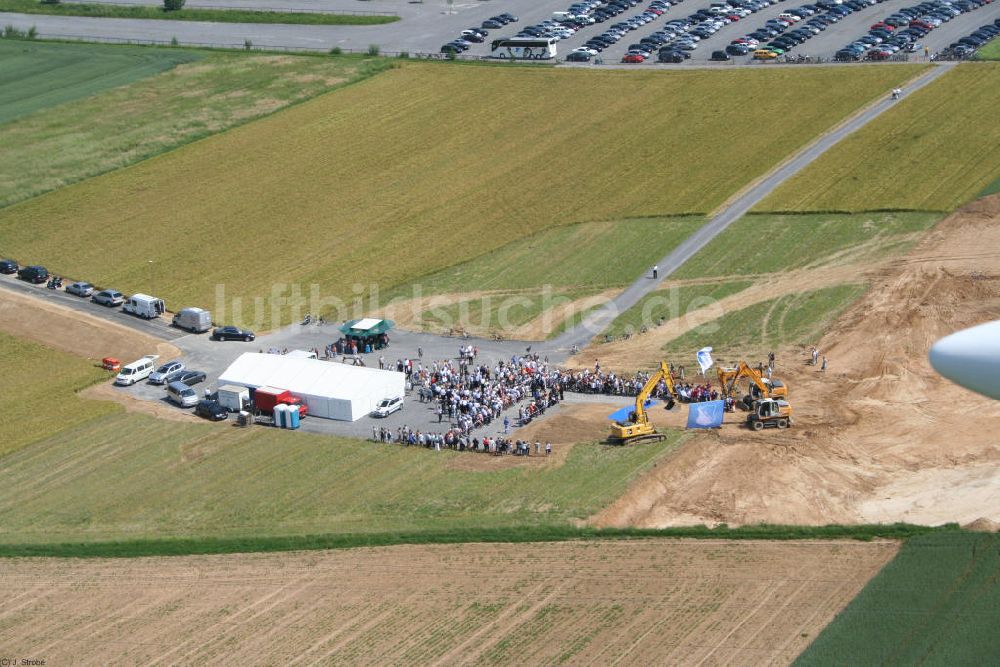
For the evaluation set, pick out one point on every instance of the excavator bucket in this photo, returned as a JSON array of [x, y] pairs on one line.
[[670, 403]]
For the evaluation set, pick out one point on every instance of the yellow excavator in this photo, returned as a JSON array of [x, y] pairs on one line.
[[760, 387], [638, 426]]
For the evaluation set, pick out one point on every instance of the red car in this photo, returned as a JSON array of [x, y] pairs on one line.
[[633, 58], [882, 26]]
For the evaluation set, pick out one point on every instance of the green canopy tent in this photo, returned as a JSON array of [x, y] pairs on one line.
[[366, 327]]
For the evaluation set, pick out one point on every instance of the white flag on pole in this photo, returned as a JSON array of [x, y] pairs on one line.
[[705, 359]]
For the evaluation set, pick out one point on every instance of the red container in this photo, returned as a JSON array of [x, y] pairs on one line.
[[265, 398]]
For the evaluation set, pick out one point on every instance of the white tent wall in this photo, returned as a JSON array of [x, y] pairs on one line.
[[330, 390]]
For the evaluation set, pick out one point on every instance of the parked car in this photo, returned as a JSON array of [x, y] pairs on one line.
[[8, 266], [190, 377], [34, 274], [232, 333], [211, 410], [719, 55], [182, 395], [578, 57], [166, 373], [387, 406], [80, 289], [108, 297]]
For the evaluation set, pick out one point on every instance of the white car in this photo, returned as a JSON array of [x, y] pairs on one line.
[[387, 406], [584, 49]]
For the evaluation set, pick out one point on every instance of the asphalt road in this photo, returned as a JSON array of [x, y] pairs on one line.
[[734, 210], [157, 327]]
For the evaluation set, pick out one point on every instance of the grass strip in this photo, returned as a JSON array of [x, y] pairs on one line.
[[553, 533], [98, 10]]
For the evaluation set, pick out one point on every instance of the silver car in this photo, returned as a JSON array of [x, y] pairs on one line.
[[80, 289], [109, 297], [387, 406], [168, 372]]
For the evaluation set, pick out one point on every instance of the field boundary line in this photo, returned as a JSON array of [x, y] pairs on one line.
[[739, 205]]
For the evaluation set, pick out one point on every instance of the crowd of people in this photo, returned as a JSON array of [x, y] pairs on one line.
[[458, 441]]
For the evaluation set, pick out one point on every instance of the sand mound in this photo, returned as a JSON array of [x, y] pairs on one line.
[[880, 437], [983, 526]]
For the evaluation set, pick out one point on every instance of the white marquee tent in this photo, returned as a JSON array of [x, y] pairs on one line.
[[330, 389]]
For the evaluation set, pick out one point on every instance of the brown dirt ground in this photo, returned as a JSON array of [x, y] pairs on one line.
[[75, 332], [641, 602], [880, 437]]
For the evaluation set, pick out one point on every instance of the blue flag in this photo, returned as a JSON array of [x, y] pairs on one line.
[[622, 414], [706, 415]]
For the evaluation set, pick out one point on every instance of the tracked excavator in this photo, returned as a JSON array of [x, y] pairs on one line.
[[767, 400], [638, 427]]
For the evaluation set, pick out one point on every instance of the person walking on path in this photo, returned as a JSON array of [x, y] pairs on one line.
[[506, 424], [538, 447], [823, 367], [656, 271], [770, 361], [420, 353], [548, 449], [815, 355]]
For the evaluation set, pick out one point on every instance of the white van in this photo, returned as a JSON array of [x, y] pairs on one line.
[[137, 370], [182, 395], [195, 320], [144, 305]]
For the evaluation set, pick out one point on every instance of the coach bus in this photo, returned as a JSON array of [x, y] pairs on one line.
[[524, 48]]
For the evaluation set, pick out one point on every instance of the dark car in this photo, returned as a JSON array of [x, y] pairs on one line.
[[671, 57], [737, 50], [719, 55], [578, 57], [491, 24], [232, 333], [34, 274], [190, 377], [8, 266], [211, 410]]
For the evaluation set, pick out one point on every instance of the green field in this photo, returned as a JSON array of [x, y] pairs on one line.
[[935, 151], [376, 170], [670, 303], [990, 52], [49, 149], [38, 388], [38, 75], [220, 15], [751, 332], [135, 477], [936, 603], [761, 244]]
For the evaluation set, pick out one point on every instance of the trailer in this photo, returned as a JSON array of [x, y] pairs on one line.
[[234, 398], [265, 399]]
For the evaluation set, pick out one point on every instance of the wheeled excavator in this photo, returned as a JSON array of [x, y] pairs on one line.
[[767, 400], [638, 427]]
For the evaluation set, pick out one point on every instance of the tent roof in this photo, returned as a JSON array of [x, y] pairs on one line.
[[367, 326], [306, 376]]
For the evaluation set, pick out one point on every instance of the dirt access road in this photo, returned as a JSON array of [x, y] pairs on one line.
[[879, 437], [648, 602]]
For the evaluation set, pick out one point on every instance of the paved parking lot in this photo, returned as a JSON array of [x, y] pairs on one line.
[[427, 25]]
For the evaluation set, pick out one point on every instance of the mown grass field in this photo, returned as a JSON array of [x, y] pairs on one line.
[[107, 130], [220, 15], [751, 332], [935, 151], [760, 244], [128, 476], [38, 75], [38, 388], [416, 170], [936, 603]]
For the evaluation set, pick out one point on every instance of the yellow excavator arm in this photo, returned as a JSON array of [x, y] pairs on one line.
[[638, 427]]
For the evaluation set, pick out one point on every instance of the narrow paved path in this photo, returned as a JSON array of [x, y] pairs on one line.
[[733, 210]]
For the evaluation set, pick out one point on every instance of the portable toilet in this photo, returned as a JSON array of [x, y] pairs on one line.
[[280, 415], [293, 416]]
